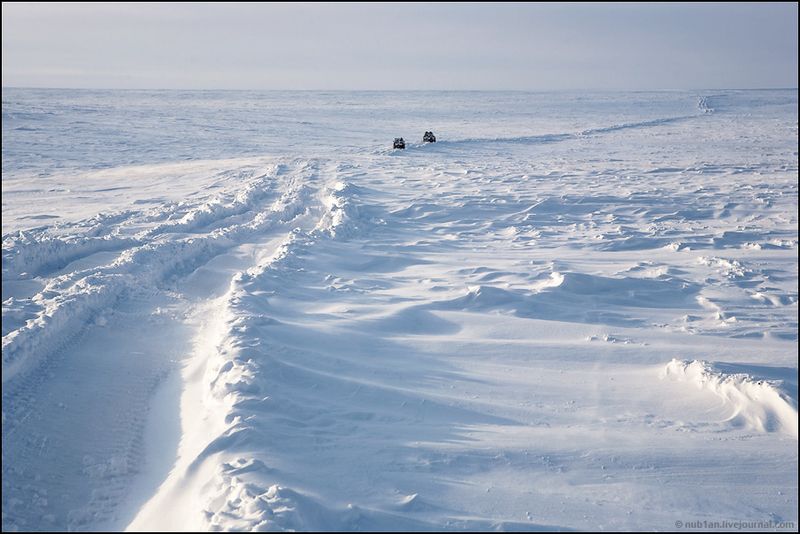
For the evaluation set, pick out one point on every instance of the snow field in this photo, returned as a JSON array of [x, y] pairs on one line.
[[579, 330]]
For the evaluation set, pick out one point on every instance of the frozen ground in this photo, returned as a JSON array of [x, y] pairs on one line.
[[235, 311]]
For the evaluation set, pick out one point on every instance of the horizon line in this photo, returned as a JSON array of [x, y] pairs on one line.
[[595, 90]]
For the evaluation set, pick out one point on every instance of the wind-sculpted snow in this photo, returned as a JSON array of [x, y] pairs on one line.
[[582, 298], [476, 334], [760, 404]]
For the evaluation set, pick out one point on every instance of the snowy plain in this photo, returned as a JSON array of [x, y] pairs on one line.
[[245, 311]]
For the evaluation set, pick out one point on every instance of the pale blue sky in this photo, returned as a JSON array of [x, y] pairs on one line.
[[400, 46]]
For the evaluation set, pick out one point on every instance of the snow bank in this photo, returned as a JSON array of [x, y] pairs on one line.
[[755, 403]]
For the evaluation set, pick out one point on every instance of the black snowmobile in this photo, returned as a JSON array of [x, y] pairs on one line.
[[399, 143], [428, 137]]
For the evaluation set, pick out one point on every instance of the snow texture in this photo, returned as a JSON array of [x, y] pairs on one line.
[[245, 311]]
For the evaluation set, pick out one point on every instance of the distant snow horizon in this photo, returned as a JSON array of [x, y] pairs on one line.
[[311, 90]]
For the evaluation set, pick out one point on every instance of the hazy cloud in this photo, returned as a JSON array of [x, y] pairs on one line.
[[400, 46]]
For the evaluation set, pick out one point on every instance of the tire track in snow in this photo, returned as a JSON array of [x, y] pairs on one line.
[[68, 456], [276, 404], [73, 299], [233, 383]]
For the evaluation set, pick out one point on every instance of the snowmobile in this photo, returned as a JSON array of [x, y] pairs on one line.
[[399, 143], [428, 137]]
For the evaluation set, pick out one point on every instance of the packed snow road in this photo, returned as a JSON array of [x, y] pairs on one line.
[[578, 330]]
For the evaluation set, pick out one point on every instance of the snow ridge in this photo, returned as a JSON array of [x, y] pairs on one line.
[[754, 403], [235, 381]]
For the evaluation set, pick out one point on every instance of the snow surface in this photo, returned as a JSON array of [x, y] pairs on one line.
[[244, 311]]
